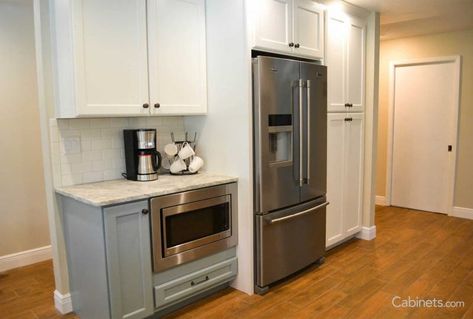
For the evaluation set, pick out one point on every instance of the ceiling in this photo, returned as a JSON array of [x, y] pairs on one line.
[[403, 18]]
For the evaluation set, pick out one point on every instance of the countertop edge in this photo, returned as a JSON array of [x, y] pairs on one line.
[[117, 201]]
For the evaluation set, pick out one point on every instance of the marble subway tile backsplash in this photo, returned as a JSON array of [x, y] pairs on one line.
[[91, 150]]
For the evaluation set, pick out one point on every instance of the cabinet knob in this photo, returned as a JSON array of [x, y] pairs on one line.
[[144, 211], [157, 106], [145, 106], [296, 45], [291, 44]]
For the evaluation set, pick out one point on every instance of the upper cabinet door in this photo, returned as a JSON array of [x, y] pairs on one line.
[[336, 63], [273, 25], [110, 58], [308, 29], [356, 34], [346, 63], [177, 57]]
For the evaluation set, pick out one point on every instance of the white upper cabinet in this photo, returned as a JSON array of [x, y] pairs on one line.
[[129, 58], [111, 60], [273, 25], [294, 27], [308, 28], [177, 57], [345, 60]]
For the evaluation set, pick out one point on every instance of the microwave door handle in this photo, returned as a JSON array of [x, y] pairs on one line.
[[308, 131], [301, 132]]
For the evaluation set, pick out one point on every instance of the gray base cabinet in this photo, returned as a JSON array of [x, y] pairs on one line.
[[109, 260], [127, 237]]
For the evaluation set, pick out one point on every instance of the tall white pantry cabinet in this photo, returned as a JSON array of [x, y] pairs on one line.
[[345, 59], [129, 58]]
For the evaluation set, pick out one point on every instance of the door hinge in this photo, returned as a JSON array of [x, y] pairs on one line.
[[450, 148]]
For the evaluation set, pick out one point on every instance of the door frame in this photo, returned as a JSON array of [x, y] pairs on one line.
[[456, 60]]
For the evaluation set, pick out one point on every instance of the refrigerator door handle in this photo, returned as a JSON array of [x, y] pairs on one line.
[[308, 131], [277, 220], [301, 132]]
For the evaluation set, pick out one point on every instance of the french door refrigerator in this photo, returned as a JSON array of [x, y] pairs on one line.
[[290, 161]]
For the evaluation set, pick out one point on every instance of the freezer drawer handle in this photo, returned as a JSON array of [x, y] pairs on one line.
[[277, 220]]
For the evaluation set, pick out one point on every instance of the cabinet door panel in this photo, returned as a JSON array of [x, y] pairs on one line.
[[110, 57], [309, 28], [356, 64], [127, 236], [335, 176], [177, 55], [273, 25], [353, 176], [336, 63]]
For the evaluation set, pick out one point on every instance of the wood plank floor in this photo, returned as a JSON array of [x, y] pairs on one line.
[[415, 254]]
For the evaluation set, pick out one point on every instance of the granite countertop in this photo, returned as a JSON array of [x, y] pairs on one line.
[[122, 190]]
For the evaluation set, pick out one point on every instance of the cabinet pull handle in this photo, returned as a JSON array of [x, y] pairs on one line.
[[348, 105], [193, 283], [145, 106], [291, 44], [296, 45], [144, 211], [157, 106], [348, 119]]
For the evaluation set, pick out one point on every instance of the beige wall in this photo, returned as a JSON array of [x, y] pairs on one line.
[[443, 44], [23, 216]]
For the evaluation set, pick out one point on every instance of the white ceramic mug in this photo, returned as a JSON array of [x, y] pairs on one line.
[[177, 166], [170, 149], [166, 163], [186, 151], [196, 164]]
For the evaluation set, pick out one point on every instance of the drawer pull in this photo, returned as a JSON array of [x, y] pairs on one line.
[[193, 283]]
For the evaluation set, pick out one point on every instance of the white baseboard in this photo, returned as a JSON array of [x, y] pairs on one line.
[[24, 258], [380, 200], [62, 302], [367, 233], [462, 212]]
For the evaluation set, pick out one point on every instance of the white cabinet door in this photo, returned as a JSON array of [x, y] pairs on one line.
[[308, 29], [355, 64], [346, 63], [353, 173], [177, 57], [335, 178], [344, 175], [336, 63], [110, 58], [273, 25]]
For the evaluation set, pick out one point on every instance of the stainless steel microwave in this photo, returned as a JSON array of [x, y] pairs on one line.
[[190, 225]]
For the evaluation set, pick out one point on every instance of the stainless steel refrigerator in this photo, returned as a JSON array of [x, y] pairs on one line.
[[290, 164]]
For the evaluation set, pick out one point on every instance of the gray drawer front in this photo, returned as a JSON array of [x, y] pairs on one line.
[[186, 286]]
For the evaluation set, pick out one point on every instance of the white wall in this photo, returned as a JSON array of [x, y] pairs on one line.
[[23, 215], [225, 133]]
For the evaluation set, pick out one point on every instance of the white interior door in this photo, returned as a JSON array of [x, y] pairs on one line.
[[424, 111]]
